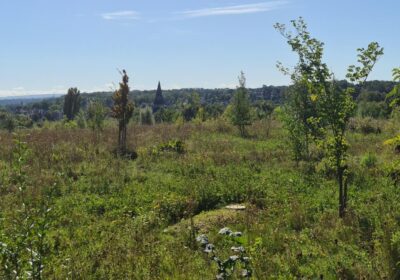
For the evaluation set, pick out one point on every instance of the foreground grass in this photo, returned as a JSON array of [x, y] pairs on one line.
[[111, 218]]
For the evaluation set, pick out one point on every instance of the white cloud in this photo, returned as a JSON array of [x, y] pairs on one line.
[[234, 10], [121, 15]]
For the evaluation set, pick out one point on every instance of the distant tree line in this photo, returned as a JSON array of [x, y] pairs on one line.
[[371, 102]]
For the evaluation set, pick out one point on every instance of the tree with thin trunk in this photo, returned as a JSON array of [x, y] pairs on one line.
[[122, 111], [337, 108], [241, 111], [322, 106]]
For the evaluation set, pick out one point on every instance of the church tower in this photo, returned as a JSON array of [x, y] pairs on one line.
[[159, 101]]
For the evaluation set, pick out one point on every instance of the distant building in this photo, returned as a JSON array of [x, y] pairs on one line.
[[159, 101]]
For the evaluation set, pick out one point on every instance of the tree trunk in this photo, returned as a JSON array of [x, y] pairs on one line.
[[124, 138], [345, 194], [121, 146], [342, 205], [242, 130]]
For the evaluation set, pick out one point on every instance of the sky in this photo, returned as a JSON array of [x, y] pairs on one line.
[[48, 46]]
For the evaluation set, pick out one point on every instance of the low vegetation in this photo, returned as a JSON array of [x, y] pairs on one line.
[[120, 191]]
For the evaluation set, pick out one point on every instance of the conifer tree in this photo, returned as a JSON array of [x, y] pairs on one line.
[[72, 103], [122, 111], [241, 113]]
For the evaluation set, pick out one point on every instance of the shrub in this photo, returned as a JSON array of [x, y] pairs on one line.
[[365, 125], [172, 207], [369, 160], [176, 146], [146, 116], [70, 124], [394, 142], [393, 172]]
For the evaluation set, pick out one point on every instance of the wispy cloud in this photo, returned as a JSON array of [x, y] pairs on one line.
[[235, 10], [121, 15]]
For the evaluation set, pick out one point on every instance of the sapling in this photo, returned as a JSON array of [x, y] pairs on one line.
[[241, 114], [318, 110], [122, 111]]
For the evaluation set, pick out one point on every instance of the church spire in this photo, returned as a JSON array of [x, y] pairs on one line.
[[159, 101]]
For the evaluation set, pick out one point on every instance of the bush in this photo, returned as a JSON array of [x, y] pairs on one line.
[[372, 109], [393, 172], [365, 125], [146, 116], [172, 207], [70, 124], [176, 146], [369, 160], [394, 142]]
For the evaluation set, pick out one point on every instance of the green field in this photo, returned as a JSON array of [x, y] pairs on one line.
[[69, 204]]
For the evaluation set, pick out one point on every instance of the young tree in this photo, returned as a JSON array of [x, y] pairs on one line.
[[241, 111], [96, 116], [191, 107], [309, 77], [80, 119], [122, 111], [337, 106], [72, 103], [167, 115], [264, 110], [393, 98], [146, 116], [319, 107]]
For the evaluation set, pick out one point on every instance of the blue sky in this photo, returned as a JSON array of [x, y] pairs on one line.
[[47, 46]]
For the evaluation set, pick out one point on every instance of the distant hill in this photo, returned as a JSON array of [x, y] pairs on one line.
[[24, 100], [376, 90]]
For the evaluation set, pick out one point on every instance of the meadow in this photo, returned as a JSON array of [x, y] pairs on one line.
[[71, 209]]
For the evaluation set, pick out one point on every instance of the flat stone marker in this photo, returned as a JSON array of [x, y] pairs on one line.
[[235, 207]]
